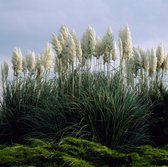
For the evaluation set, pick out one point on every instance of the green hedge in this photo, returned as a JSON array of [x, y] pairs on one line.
[[72, 152]]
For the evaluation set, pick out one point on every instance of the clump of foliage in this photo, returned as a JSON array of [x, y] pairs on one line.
[[72, 152], [112, 114], [159, 115], [75, 88], [69, 152], [104, 111]]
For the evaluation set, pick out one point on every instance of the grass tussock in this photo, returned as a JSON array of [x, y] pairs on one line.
[[104, 111], [76, 89]]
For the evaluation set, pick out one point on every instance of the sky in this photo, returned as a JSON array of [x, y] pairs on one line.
[[28, 24]]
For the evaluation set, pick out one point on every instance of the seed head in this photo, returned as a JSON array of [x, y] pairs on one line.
[[71, 49], [31, 62], [61, 40], [39, 67], [56, 45], [137, 58], [47, 57], [64, 31], [77, 46], [4, 71], [24, 65], [17, 61], [98, 48], [74, 36], [126, 39], [88, 43], [114, 52], [130, 66], [145, 59], [84, 46], [79, 52], [108, 45], [165, 63], [120, 48], [152, 62], [160, 54]]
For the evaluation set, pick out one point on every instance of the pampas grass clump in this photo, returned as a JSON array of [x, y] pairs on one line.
[[76, 88]]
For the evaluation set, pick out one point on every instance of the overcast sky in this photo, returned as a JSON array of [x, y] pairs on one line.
[[28, 24]]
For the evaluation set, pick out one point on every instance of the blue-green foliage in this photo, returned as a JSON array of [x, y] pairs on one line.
[[101, 109]]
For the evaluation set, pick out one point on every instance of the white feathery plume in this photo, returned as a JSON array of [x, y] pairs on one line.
[[108, 40], [107, 43], [17, 61], [61, 39], [71, 49], [68, 52], [152, 62], [84, 46], [56, 45], [130, 69], [114, 51], [126, 39], [77, 46], [145, 59], [88, 43], [39, 67], [165, 63], [98, 48], [79, 52], [56, 65], [130, 65], [160, 54], [64, 31], [137, 58], [4, 71], [31, 61], [47, 57], [120, 48], [91, 39], [24, 65], [74, 36], [64, 57]]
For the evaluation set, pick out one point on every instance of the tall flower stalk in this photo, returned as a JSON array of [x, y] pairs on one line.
[[47, 59], [17, 61], [72, 58], [160, 54], [17, 65], [125, 46], [4, 74], [108, 48]]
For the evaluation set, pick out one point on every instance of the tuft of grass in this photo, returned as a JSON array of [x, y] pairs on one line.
[[112, 114], [159, 115], [105, 111]]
